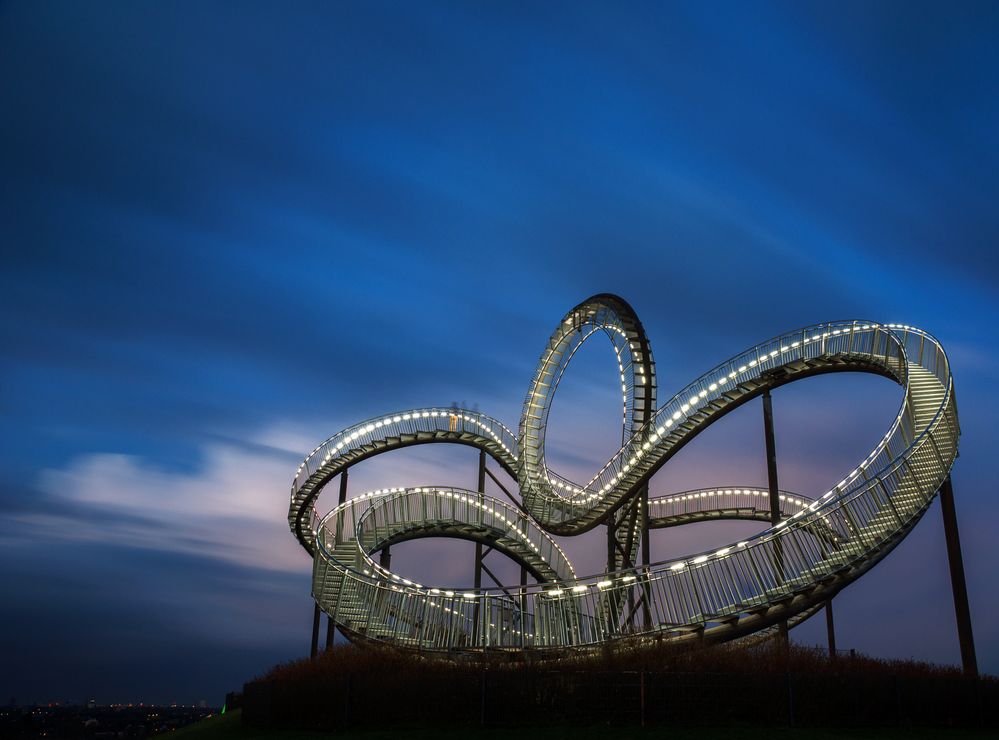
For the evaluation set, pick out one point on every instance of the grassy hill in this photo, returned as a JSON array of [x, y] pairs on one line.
[[353, 690]]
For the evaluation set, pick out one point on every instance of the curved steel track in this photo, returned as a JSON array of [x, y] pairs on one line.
[[782, 573]]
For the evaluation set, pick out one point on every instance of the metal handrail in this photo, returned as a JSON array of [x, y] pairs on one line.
[[723, 498], [386, 432]]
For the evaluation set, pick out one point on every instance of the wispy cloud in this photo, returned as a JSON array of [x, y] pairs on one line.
[[232, 508]]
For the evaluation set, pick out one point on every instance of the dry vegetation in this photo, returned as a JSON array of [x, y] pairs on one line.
[[723, 685]]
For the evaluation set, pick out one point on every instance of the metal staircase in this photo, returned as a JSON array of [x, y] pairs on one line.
[[784, 573]]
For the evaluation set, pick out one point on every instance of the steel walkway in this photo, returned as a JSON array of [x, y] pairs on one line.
[[784, 573]]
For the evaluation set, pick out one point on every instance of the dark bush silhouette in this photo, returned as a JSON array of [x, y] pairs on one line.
[[361, 687]]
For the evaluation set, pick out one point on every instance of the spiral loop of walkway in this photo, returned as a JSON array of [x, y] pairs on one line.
[[783, 573]]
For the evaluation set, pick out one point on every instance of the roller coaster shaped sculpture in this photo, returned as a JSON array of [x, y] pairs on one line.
[[782, 575]]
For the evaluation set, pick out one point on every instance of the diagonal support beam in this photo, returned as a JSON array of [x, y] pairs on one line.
[[518, 504], [962, 611]]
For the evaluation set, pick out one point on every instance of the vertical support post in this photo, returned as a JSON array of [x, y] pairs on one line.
[[477, 575], [646, 558], [646, 546], [830, 629], [523, 606], [476, 585], [343, 488], [622, 530], [482, 472], [385, 556], [768, 433], [610, 544], [962, 611], [342, 498], [315, 631]]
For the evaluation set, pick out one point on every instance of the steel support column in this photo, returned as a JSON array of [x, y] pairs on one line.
[[343, 488], [482, 472], [477, 575], [523, 606], [341, 499], [646, 558], [385, 558], [315, 631], [768, 433], [329, 632], [830, 629], [611, 562], [623, 551], [957, 582]]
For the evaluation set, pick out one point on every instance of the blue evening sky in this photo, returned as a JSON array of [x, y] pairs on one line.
[[229, 231]]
